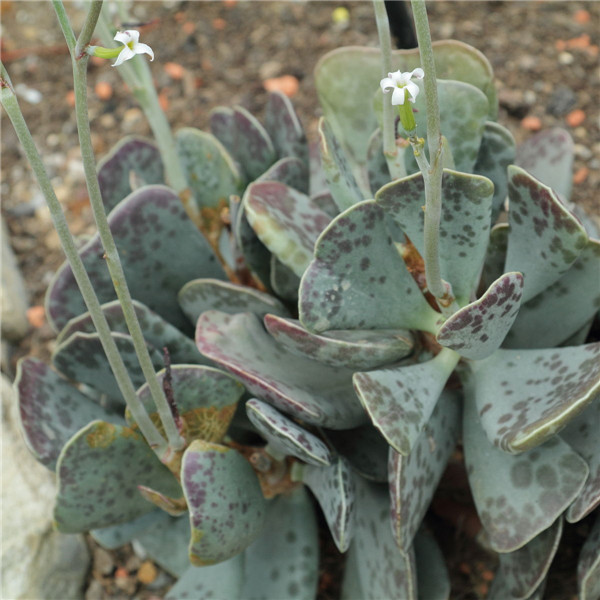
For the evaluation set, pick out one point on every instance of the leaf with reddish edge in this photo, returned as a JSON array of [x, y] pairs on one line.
[[400, 400], [357, 274], [51, 410], [351, 349], [286, 436], [544, 238], [413, 479], [306, 389], [521, 572], [588, 567], [334, 488], [226, 504], [290, 171], [131, 154], [524, 397], [477, 330], [98, 472], [517, 497]]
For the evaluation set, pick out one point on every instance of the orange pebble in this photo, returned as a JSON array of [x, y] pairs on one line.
[[582, 16], [188, 27], [163, 100], [97, 61], [487, 575], [580, 175], [583, 41], [147, 572], [103, 90], [71, 98], [286, 84], [560, 45], [482, 589], [36, 315], [464, 568], [575, 117], [121, 573], [219, 24], [174, 70], [531, 123], [229, 3]]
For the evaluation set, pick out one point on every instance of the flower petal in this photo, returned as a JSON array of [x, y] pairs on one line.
[[124, 55], [417, 73], [413, 90], [387, 84], [124, 37], [143, 49], [398, 96]]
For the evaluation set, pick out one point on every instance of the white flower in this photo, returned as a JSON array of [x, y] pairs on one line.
[[399, 82], [131, 46]]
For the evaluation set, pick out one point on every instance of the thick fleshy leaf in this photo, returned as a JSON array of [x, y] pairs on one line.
[[569, 303], [318, 182], [150, 228], [477, 330], [284, 281], [325, 202], [496, 152], [522, 571], [357, 275], [210, 171], [548, 156], [285, 129], [157, 332], [588, 567], [544, 239], [286, 436], [413, 479], [226, 504], [131, 155], [493, 267], [334, 488], [306, 389], [377, 167], [200, 295], [291, 171], [352, 349], [286, 221], [400, 400], [518, 497], [81, 358], [582, 434], [464, 225], [338, 171], [525, 396], [98, 472], [223, 580], [115, 536], [433, 582], [51, 410], [364, 448]]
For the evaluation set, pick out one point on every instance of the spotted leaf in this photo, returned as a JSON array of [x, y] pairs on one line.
[[115, 536], [290, 171], [284, 281], [588, 567], [433, 582], [493, 267]]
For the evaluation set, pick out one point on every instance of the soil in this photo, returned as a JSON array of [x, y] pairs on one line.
[[545, 59]]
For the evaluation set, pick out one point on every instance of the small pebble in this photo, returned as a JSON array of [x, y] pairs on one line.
[[565, 58], [147, 572], [531, 123], [575, 118], [580, 175], [582, 151], [286, 84]]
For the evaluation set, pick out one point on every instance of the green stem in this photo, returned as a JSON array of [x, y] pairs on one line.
[[65, 24], [138, 412], [88, 27]]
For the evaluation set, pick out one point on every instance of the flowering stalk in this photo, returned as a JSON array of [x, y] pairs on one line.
[[113, 262], [147, 427]]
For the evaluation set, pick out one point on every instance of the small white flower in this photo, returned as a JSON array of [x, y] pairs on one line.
[[131, 46], [402, 83]]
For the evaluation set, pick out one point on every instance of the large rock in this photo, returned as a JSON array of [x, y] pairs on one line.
[[37, 562]]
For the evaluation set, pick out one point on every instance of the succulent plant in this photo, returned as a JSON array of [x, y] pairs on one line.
[[321, 360]]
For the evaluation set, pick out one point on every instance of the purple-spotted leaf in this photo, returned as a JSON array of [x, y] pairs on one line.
[[325, 202], [525, 396], [464, 224], [523, 570], [283, 281], [51, 410], [226, 504], [588, 567], [493, 267], [284, 561], [477, 330], [209, 169], [414, 478], [582, 435], [150, 228], [433, 582], [285, 129], [496, 152], [548, 156], [132, 154], [286, 222], [286, 436], [544, 238], [338, 171], [334, 488], [400, 400], [157, 332], [306, 389], [98, 472], [200, 295], [318, 182], [569, 303], [518, 497], [290, 171], [81, 358], [351, 349], [364, 448], [115, 536], [358, 280]]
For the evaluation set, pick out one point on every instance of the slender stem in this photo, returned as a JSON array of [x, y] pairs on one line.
[[65, 24], [147, 427], [88, 27]]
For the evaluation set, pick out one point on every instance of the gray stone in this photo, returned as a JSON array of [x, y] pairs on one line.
[[37, 562]]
